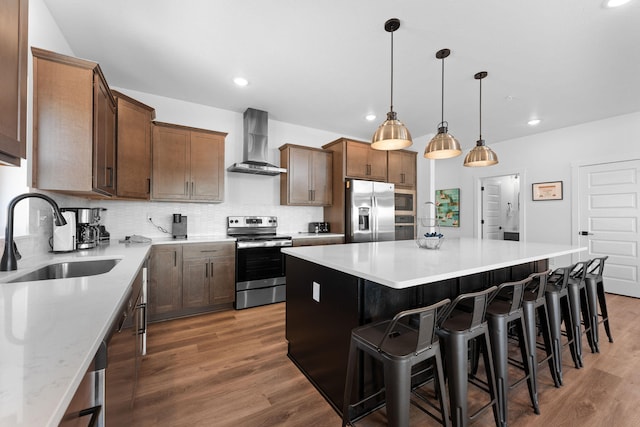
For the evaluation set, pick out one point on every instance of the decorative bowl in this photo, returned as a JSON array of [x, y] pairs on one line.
[[430, 242]]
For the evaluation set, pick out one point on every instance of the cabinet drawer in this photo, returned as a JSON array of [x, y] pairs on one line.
[[198, 250]]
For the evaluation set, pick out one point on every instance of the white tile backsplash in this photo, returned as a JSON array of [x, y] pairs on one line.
[[124, 218]]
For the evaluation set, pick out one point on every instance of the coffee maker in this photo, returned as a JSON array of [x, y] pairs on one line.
[[86, 227], [179, 226]]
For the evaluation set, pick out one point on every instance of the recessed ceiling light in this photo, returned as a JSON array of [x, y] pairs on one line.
[[533, 122], [615, 3], [370, 117], [241, 81]]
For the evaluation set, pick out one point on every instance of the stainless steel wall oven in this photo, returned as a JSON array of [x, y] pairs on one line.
[[260, 265]]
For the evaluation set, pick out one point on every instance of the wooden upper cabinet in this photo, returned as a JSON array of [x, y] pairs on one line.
[[134, 147], [402, 168], [73, 126], [308, 180], [365, 162], [207, 166], [13, 81], [188, 164]]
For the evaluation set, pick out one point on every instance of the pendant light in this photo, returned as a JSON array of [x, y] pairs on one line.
[[443, 145], [392, 134], [480, 155]]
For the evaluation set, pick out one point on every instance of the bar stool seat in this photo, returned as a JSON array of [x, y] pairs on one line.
[[399, 347], [462, 322]]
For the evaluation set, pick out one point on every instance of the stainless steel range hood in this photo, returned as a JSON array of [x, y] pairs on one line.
[[255, 146]]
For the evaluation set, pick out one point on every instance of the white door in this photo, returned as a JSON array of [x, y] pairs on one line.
[[491, 214], [608, 196]]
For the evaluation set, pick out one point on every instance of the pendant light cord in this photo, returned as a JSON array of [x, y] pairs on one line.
[[442, 100], [391, 106], [480, 109]]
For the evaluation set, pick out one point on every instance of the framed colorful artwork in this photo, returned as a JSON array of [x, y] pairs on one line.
[[448, 207]]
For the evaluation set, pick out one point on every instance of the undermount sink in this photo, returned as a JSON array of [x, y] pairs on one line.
[[65, 270]]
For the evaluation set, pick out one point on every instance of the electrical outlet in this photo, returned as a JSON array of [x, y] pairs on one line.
[[149, 217]]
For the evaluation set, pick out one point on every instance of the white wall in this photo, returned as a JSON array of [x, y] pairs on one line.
[[547, 156]]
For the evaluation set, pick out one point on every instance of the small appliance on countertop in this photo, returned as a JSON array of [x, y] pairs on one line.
[[179, 226], [318, 227], [87, 220]]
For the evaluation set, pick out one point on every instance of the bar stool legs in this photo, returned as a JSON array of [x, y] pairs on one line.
[[576, 334], [529, 310]]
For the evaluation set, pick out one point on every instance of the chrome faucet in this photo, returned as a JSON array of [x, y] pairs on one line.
[[9, 258]]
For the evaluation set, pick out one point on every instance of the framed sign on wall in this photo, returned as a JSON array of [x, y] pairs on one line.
[[448, 207], [546, 190]]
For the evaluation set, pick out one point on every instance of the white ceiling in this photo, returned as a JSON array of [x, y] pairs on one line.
[[326, 64]]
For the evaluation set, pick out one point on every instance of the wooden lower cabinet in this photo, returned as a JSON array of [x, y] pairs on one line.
[[165, 280], [191, 278]]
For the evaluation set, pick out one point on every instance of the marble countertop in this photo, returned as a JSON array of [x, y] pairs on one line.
[[51, 330], [402, 264]]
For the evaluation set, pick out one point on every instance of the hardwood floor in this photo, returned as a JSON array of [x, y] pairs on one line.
[[231, 369]]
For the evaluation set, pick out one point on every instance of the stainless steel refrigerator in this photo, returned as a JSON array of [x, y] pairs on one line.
[[369, 213]]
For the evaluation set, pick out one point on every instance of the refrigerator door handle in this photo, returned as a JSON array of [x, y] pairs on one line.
[[374, 218]]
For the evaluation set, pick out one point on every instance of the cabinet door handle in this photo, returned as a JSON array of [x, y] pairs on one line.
[[192, 188], [206, 270], [175, 259], [110, 169], [313, 195], [402, 178], [142, 328], [148, 185], [309, 195], [186, 188]]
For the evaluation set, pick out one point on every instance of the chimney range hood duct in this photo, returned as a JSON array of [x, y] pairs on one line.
[[254, 146]]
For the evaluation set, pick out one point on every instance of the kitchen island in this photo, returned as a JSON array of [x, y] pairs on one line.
[[333, 289]]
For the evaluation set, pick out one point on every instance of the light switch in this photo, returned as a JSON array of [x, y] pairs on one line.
[[316, 291]]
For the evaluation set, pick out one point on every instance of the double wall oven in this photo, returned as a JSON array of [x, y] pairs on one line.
[[405, 214], [260, 265]]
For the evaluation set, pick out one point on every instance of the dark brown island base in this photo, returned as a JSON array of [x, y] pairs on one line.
[[333, 289]]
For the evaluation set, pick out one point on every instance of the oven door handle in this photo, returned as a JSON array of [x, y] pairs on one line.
[[248, 245]]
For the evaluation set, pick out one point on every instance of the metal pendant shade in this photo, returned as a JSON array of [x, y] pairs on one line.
[[392, 134], [480, 155], [443, 145]]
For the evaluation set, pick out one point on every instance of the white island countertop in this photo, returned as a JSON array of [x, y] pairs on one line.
[[51, 330], [402, 264]]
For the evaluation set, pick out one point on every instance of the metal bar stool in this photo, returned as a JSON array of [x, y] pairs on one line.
[[534, 302], [595, 270], [505, 309], [557, 296], [399, 347], [462, 322], [582, 303]]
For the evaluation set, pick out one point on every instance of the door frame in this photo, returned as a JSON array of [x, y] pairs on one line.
[[575, 190], [477, 203]]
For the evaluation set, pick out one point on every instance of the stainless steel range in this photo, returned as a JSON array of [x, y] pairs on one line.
[[260, 266]]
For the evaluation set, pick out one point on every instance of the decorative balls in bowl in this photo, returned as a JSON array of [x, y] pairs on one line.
[[430, 241]]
